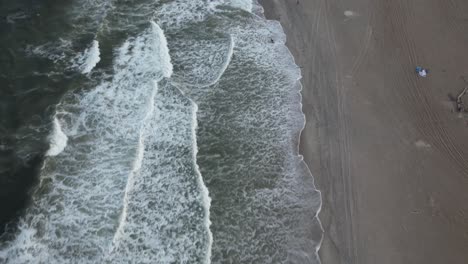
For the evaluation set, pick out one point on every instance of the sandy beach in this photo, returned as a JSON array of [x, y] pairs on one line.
[[386, 147]]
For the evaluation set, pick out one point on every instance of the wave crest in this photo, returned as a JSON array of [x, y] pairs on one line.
[[58, 139]]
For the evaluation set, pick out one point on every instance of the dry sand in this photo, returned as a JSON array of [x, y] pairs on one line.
[[385, 146]]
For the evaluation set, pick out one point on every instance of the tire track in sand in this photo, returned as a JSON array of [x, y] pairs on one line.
[[344, 142], [364, 51], [427, 120]]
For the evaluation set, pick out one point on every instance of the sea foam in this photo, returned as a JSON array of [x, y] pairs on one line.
[[242, 4], [167, 203], [90, 57], [58, 139], [164, 180]]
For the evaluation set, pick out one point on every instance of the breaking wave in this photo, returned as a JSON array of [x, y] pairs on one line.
[[58, 140], [90, 57]]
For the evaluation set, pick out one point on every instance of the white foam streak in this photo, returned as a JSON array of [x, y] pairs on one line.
[[90, 57], [58, 139], [136, 167], [152, 48], [201, 185], [226, 62], [206, 200], [165, 58]]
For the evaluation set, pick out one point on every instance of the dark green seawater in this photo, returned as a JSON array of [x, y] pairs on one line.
[[27, 96]]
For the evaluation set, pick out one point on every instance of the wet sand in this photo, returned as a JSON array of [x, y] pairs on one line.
[[386, 147]]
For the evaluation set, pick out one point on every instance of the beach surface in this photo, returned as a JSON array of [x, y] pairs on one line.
[[387, 148]]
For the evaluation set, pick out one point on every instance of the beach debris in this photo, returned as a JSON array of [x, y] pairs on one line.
[[459, 101], [422, 71], [460, 104]]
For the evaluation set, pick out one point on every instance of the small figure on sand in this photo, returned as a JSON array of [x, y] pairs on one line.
[[422, 71]]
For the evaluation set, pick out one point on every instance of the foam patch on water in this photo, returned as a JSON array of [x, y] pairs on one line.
[[167, 204], [179, 13], [87, 16], [58, 139], [135, 171], [153, 49], [246, 5], [87, 61], [56, 51], [12, 18], [195, 67]]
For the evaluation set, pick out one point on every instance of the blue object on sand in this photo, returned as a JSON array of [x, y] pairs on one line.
[[421, 71]]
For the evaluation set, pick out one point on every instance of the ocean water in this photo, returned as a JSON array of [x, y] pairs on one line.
[[151, 131]]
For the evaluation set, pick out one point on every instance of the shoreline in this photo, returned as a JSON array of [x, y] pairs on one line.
[[385, 147], [316, 225]]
